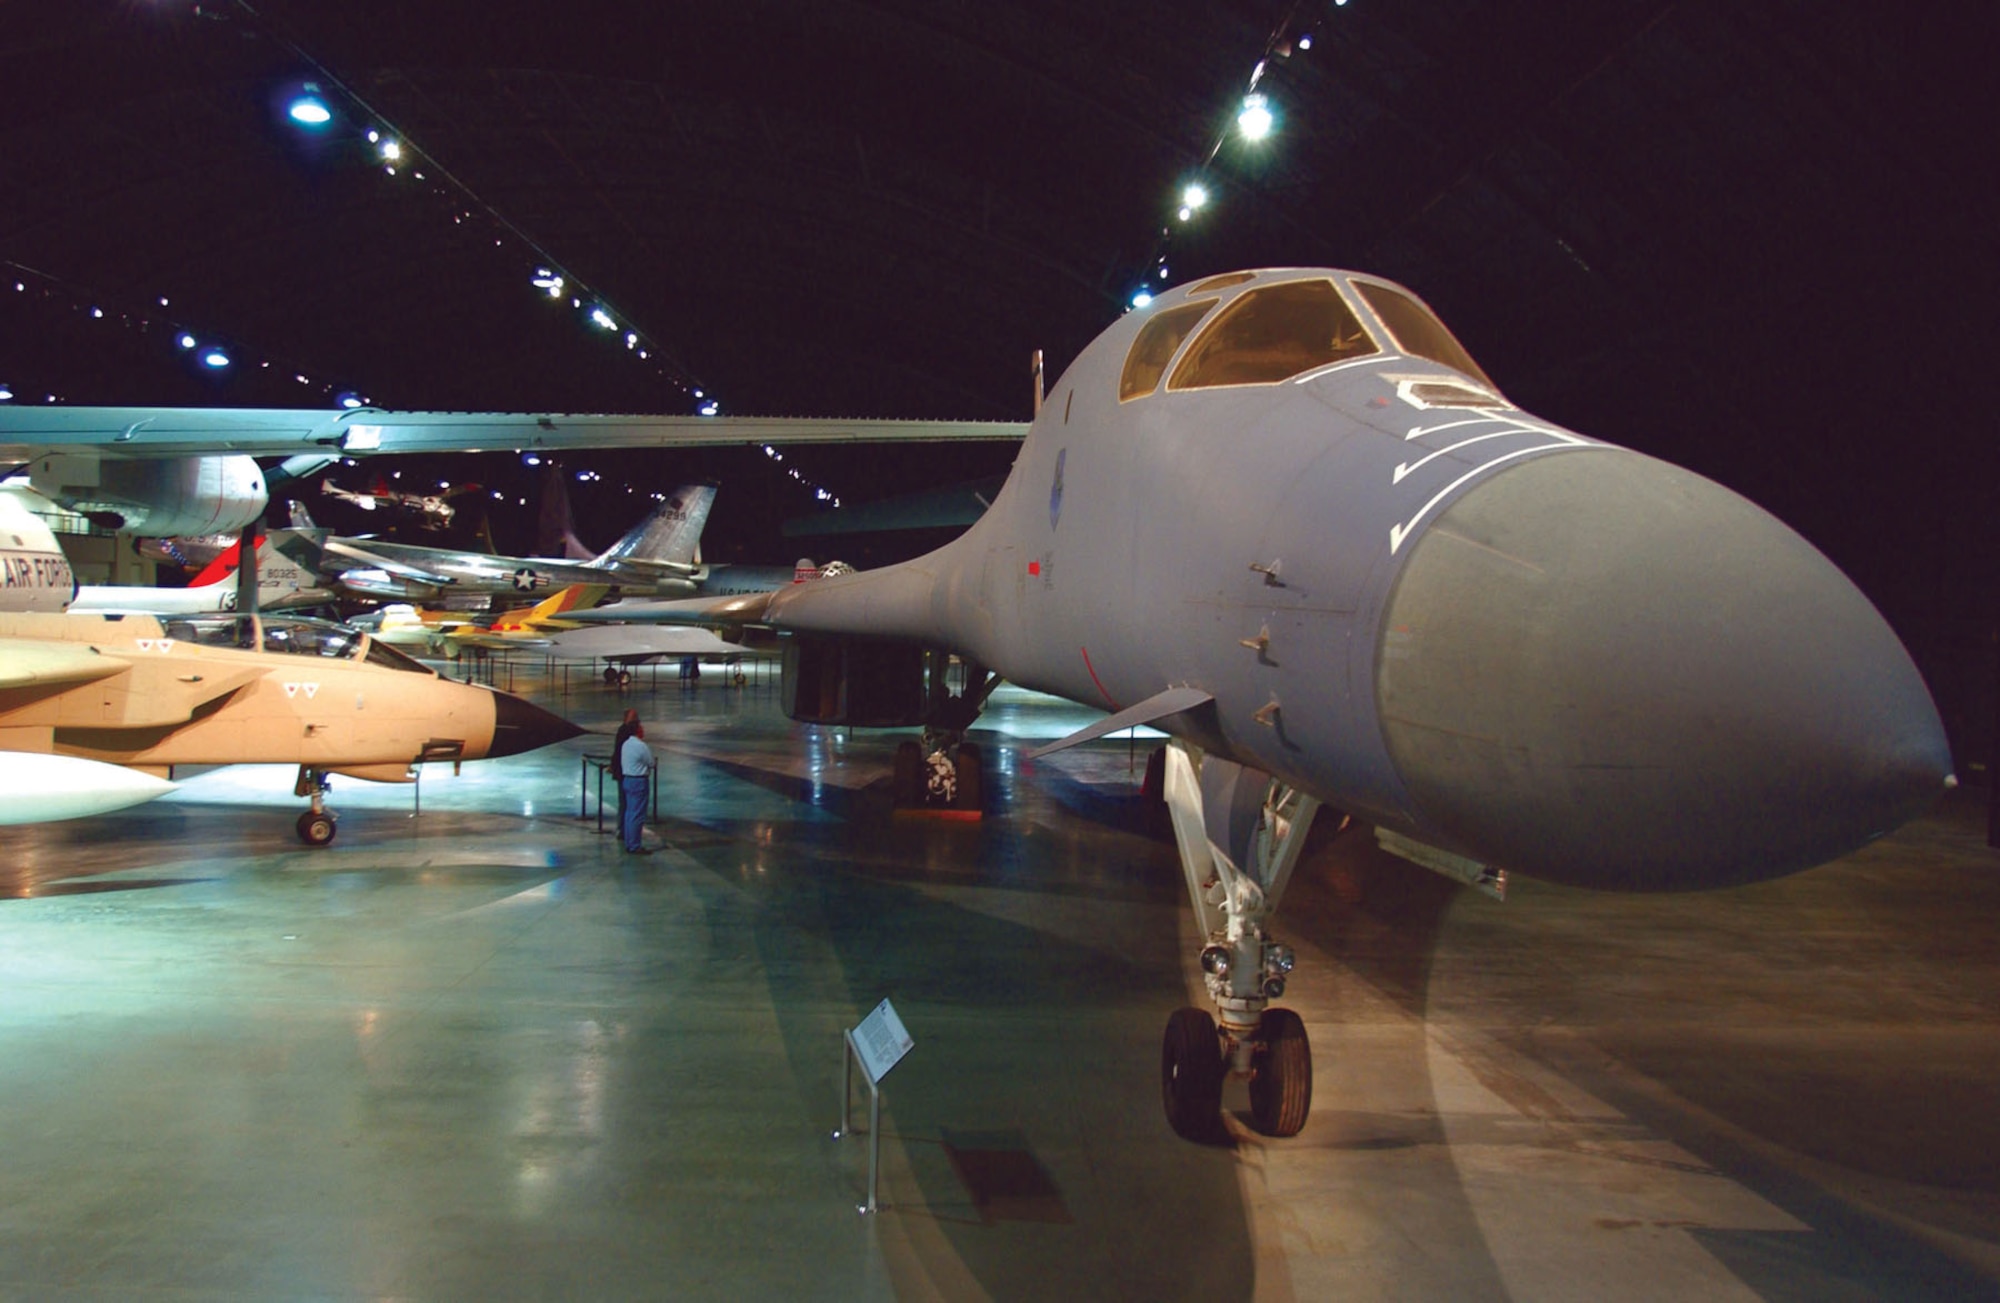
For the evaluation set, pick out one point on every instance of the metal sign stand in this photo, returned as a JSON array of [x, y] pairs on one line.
[[877, 1044]]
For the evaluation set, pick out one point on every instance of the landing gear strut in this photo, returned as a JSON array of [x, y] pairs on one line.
[[316, 824], [1239, 832]]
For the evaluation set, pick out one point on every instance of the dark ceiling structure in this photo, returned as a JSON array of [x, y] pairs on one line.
[[1753, 238]]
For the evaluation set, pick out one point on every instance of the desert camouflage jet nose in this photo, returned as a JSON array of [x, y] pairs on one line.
[[520, 725], [1601, 669]]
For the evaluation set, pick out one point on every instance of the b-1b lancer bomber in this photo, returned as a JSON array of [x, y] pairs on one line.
[[1284, 517]]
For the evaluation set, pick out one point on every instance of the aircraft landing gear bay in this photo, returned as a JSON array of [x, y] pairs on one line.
[[1239, 832], [315, 825]]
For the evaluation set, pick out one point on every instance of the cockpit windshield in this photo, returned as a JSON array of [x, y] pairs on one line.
[[1155, 347], [295, 635], [1416, 331], [1273, 333]]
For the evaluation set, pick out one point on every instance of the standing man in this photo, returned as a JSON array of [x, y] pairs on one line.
[[635, 763], [625, 727]]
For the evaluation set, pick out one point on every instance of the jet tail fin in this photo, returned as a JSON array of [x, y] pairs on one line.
[[219, 570], [574, 597], [671, 536], [555, 525]]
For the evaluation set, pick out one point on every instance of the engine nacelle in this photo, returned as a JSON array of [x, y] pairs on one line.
[[184, 495], [872, 683]]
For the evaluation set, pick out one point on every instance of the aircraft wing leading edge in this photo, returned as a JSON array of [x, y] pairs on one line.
[[191, 431]]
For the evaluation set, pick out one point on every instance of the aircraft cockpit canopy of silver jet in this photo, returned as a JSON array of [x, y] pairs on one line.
[[1268, 334], [296, 635]]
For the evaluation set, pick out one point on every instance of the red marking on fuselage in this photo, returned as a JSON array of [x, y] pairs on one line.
[[1115, 707]]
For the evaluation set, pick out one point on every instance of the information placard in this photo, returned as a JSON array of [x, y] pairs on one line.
[[880, 1042]]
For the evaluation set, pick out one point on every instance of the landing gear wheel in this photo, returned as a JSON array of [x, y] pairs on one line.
[[315, 828], [1191, 1074], [971, 778], [909, 774], [1281, 1084]]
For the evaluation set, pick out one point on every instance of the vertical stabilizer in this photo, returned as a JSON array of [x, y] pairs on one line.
[[555, 525], [671, 535]]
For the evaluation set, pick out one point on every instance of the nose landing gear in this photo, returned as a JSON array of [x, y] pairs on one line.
[[1214, 804]]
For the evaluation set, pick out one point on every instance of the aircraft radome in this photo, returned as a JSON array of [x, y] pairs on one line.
[[149, 693], [1283, 516]]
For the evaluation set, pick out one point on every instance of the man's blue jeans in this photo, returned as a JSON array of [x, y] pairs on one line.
[[632, 806]]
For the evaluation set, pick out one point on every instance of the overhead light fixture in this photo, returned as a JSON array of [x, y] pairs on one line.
[[391, 151], [1142, 298], [215, 359], [309, 110], [1255, 121], [6, 393]]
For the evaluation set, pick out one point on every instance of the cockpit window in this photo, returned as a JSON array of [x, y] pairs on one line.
[[1222, 282], [1155, 346], [1273, 334], [1416, 331], [381, 653]]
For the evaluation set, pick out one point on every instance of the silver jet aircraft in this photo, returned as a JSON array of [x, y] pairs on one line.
[[658, 555], [1282, 516]]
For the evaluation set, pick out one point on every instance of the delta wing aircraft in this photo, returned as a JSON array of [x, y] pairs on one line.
[[1282, 516], [148, 694]]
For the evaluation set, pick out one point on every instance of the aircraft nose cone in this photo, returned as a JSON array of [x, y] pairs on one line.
[[1600, 669], [522, 726]]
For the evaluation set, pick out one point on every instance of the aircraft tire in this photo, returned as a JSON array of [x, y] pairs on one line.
[[1281, 1082], [1191, 1074], [971, 793], [909, 774], [315, 829]]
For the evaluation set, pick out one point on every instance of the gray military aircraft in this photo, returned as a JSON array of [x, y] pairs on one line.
[[1283, 517]]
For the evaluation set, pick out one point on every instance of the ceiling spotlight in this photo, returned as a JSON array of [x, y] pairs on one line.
[[6, 393], [309, 111], [187, 341], [215, 359], [1255, 121], [391, 151], [1195, 195], [710, 408], [1305, 41], [1142, 298], [532, 460], [349, 399], [603, 319]]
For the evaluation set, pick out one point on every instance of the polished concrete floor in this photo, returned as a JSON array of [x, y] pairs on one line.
[[479, 1053]]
